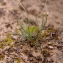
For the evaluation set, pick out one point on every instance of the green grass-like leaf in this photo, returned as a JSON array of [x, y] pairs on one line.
[[31, 31]]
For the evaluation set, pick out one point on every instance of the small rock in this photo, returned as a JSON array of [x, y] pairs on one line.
[[49, 43], [14, 37], [50, 47]]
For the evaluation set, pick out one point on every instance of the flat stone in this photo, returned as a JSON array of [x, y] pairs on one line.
[[49, 43], [50, 47]]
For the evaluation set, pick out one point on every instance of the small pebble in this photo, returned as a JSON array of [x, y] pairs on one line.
[[50, 47]]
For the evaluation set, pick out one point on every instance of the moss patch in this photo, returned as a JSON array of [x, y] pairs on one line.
[[7, 41]]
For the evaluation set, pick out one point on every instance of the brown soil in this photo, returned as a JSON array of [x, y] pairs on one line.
[[10, 10]]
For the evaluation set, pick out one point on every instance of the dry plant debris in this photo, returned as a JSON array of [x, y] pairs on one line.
[[46, 48]]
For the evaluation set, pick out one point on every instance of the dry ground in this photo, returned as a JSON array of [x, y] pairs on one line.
[[10, 10], [34, 7]]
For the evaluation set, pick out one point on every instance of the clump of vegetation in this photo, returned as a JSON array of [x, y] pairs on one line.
[[17, 31], [1, 57], [7, 41], [31, 32], [45, 52], [17, 59]]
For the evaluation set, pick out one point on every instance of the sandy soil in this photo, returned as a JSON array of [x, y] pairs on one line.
[[10, 10], [34, 7]]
